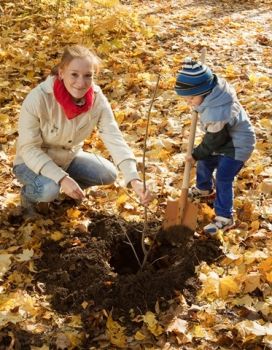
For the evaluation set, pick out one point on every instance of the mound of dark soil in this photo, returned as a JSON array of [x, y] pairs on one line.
[[100, 268]]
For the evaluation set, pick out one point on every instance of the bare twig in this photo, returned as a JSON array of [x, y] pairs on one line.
[[160, 258], [130, 243], [138, 202], [145, 251]]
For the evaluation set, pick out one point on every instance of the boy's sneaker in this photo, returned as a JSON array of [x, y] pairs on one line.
[[196, 193], [219, 223]]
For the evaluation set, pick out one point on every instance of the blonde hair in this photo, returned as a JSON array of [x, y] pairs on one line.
[[76, 51]]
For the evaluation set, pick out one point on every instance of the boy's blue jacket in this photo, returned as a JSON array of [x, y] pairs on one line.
[[228, 130]]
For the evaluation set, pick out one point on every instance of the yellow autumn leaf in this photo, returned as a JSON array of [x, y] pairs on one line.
[[19, 298], [107, 3], [258, 169], [139, 336], [255, 225], [115, 332], [163, 155], [268, 276], [228, 285], [253, 78], [25, 256], [120, 116], [207, 211], [199, 332], [4, 263], [210, 285], [229, 72], [250, 330], [152, 20], [75, 321], [264, 307], [239, 42], [84, 304], [266, 265], [4, 118], [56, 235], [75, 338], [246, 300], [152, 324], [266, 187], [251, 281], [267, 340], [183, 107], [234, 24], [31, 266], [253, 255], [73, 213], [122, 199], [266, 123]]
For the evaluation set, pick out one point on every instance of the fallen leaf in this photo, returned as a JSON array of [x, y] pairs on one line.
[[177, 326], [228, 285], [73, 213], [25, 256], [115, 333], [5, 263], [56, 235], [152, 324]]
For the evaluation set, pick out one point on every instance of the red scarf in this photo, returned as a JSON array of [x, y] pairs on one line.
[[68, 104]]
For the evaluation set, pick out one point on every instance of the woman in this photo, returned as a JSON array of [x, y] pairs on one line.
[[55, 118]]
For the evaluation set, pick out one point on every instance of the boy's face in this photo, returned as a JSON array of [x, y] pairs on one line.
[[194, 101]]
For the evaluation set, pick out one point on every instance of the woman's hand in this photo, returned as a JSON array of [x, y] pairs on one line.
[[70, 187], [138, 187]]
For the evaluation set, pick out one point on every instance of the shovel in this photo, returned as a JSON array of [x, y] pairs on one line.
[[181, 212]]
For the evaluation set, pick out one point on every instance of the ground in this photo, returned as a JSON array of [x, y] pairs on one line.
[[98, 269], [70, 279]]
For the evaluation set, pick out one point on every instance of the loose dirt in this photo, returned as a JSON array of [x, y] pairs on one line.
[[99, 269]]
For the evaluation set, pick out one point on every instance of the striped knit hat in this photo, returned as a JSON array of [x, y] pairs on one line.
[[194, 79]]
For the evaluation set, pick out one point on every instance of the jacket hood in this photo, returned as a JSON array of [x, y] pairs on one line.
[[221, 94], [220, 104]]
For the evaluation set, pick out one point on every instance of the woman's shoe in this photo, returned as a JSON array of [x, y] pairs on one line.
[[32, 210]]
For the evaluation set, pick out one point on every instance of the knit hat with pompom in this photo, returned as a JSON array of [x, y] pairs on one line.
[[194, 79]]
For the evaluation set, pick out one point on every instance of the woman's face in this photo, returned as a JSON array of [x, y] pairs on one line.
[[77, 76], [194, 101]]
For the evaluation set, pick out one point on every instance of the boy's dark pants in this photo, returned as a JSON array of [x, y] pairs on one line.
[[226, 169]]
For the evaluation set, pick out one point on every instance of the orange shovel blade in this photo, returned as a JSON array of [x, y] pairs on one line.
[[175, 217]]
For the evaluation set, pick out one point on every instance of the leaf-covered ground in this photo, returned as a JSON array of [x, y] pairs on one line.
[[227, 303]]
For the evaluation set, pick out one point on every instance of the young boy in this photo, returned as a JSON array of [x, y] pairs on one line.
[[228, 141]]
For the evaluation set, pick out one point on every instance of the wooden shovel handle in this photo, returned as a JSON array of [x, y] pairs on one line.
[[186, 175], [188, 165]]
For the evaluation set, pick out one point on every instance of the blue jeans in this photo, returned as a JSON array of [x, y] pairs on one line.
[[226, 170], [86, 169]]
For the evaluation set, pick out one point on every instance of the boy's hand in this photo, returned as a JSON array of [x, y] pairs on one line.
[[190, 159], [70, 187], [138, 187]]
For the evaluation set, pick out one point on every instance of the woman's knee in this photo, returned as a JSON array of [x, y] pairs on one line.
[[48, 192], [109, 176]]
